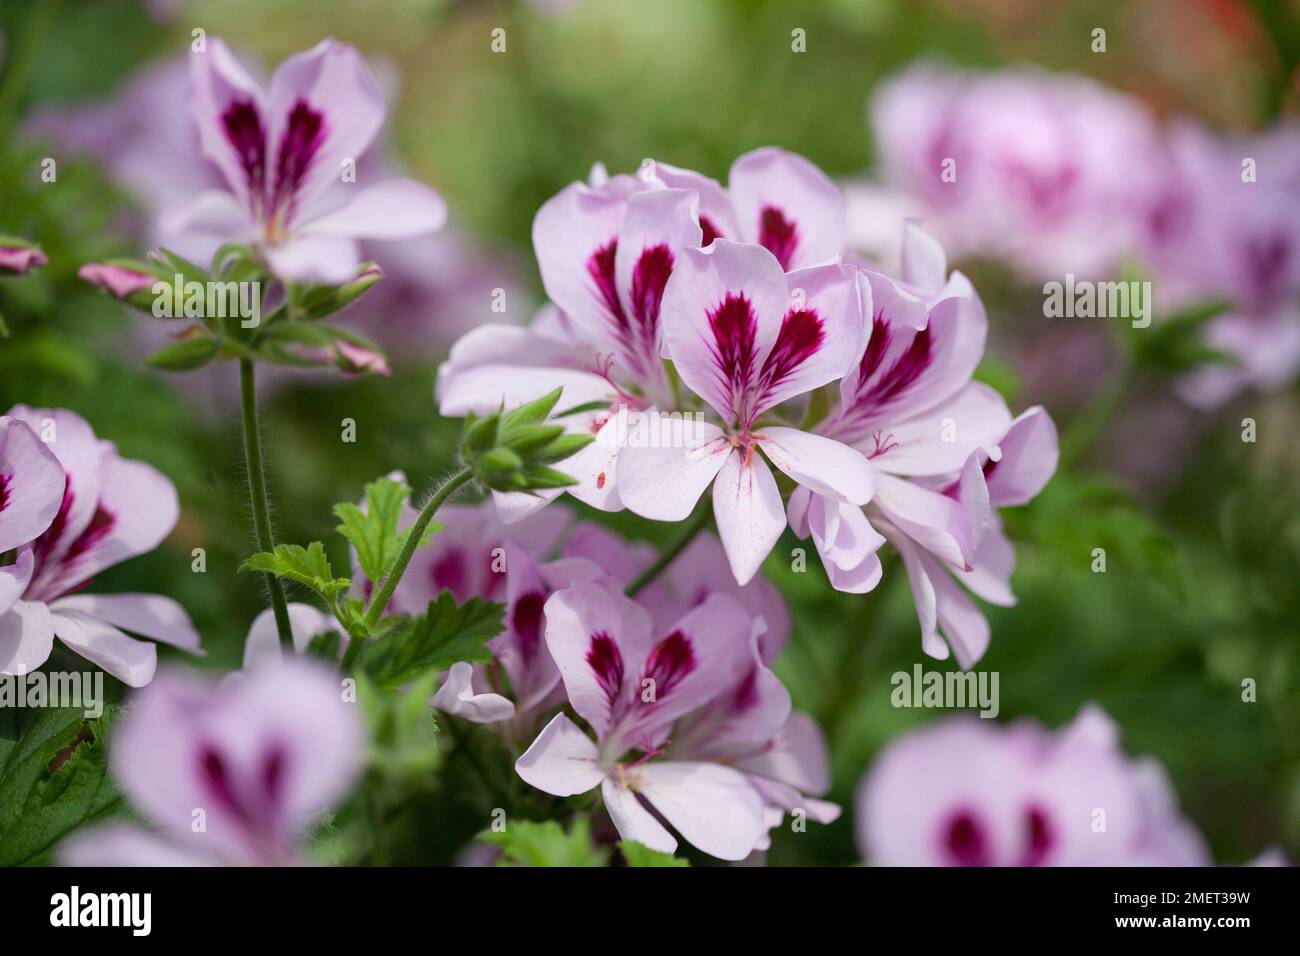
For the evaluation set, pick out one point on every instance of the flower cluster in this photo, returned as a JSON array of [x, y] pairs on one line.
[[725, 323]]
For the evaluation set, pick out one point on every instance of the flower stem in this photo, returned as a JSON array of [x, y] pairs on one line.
[[257, 492], [381, 597], [685, 535]]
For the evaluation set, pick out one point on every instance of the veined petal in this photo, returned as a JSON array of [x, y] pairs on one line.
[[31, 484], [230, 113], [821, 464], [748, 510], [939, 440], [561, 761], [721, 314], [664, 481], [789, 206], [937, 522], [717, 217]]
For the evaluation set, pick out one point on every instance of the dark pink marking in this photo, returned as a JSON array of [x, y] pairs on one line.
[[450, 572], [710, 231], [734, 328], [964, 841], [4, 491], [801, 335], [101, 523], [1266, 259], [298, 147], [606, 662], [1041, 837], [243, 126], [600, 266], [254, 808], [526, 623], [894, 380], [777, 235], [648, 280], [746, 696], [670, 660]]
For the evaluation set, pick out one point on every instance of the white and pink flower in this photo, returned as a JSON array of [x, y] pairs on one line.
[[110, 509]]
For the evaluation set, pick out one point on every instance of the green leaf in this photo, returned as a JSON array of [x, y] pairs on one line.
[[191, 352], [444, 634], [373, 531], [325, 646], [638, 854], [528, 843], [53, 778], [308, 566], [402, 730]]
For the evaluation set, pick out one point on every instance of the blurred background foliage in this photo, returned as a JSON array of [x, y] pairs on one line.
[[1201, 530]]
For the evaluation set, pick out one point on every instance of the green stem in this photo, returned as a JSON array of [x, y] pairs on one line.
[[413, 538], [257, 492], [685, 535]]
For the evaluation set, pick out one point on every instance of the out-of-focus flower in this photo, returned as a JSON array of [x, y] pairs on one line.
[[232, 772], [19, 255], [1049, 172], [631, 688], [1228, 226], [280, 152], [963, 792], [944, 450], [111, 509], [262, 645], [745, 337]]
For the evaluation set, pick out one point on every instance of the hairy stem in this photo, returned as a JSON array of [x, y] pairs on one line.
[[257, 493], [685, 535]]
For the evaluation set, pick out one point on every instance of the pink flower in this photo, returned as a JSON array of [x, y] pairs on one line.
[[285, 153], [232, 772], [110, 509], [1228, 226], [18, 256], [745, 337], [944, 450], [631, 687], [1046, 171], [964, 793]]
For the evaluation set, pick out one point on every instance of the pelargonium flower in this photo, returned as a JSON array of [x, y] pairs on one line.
[[1043, 170], [1217, 232], [110, 509], [774, 198], [631, 687], [944, 451], [746, 337], [230, 772], [19, 255], [965, 792], [698, 571], [605, 253], [281, 150]]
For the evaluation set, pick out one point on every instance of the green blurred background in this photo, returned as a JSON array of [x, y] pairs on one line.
[[1203, 546]]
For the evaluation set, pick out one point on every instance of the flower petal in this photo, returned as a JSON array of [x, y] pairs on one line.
[[713, 807], [26, 637], [230, 113], [31, 484], [748, 510], [149, 615], [457, 696], [131, 661], [561, 761], [324, 259], [665, 481], [821, 464], [790, 206], [632, 820], [397, 209]]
